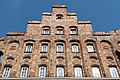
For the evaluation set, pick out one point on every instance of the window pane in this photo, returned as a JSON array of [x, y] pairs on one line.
[[24, 72], [42, 71], [59, 48], [28, 48], [113, 72], [73, 31], [90, 48], [59, 31], [78, 72], [46, 31], [96, 72], [6, 72], [75, 48], [60, 72], [44, 48], [0, 57]]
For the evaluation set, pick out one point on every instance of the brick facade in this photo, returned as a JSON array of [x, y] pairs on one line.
[[106, 46]]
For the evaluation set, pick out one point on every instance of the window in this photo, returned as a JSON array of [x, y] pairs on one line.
[[60, 72], [28, 48], [59, 47], [60, 31], [73, 31], [6, 72], [59, 16], [118, 54], [75, 48], [0, 57], [44, 48], [24, 72], [113, 72], [78, 72], [90, 47], [1, 54], [96, 72], [46, 31], [42, 71]]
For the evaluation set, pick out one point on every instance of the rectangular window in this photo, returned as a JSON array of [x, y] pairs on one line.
[[44, 48], [113, 72], [75, 48], [28, 48], [60, 31], [46, 31], [42, 71], [73, 31], [96, 72], [90, 48], [59, 47], [6, 72], [60, 72], [24, 72], [78, 72]]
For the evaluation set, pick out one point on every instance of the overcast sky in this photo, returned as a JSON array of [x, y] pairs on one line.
[[14, 14]]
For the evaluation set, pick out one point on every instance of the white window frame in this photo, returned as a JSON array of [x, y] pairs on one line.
[[6, 72], [46, 31], [42, 71], [90, 47], [60, 72], [78, 71], [60, 48], [96, 72], [44, 48], [75, 48], [73, 31], [60, 31], [28, 48], [24, 72], [113, 72]]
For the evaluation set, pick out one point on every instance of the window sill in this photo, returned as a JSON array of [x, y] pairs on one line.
[[43, 52], [91, 52], [59, 52], [45, 34], [73, 34], [59, 34], [27, 52], [75, 52]]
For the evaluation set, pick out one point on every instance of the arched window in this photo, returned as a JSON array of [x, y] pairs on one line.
[[60, 48], [44, 48], [73, 30], [42, 71], [28, 48], [96, 71], [60, 30], [59, 16], [24, 71], [78, 71], [6, 71], [90, 47], [75, 48], [46, 30], [1, 54], [113, 71], [60, 71]]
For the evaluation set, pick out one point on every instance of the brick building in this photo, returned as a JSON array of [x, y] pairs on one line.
[[60, 46]]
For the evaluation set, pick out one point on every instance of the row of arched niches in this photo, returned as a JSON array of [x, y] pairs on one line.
[[106, 52]]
